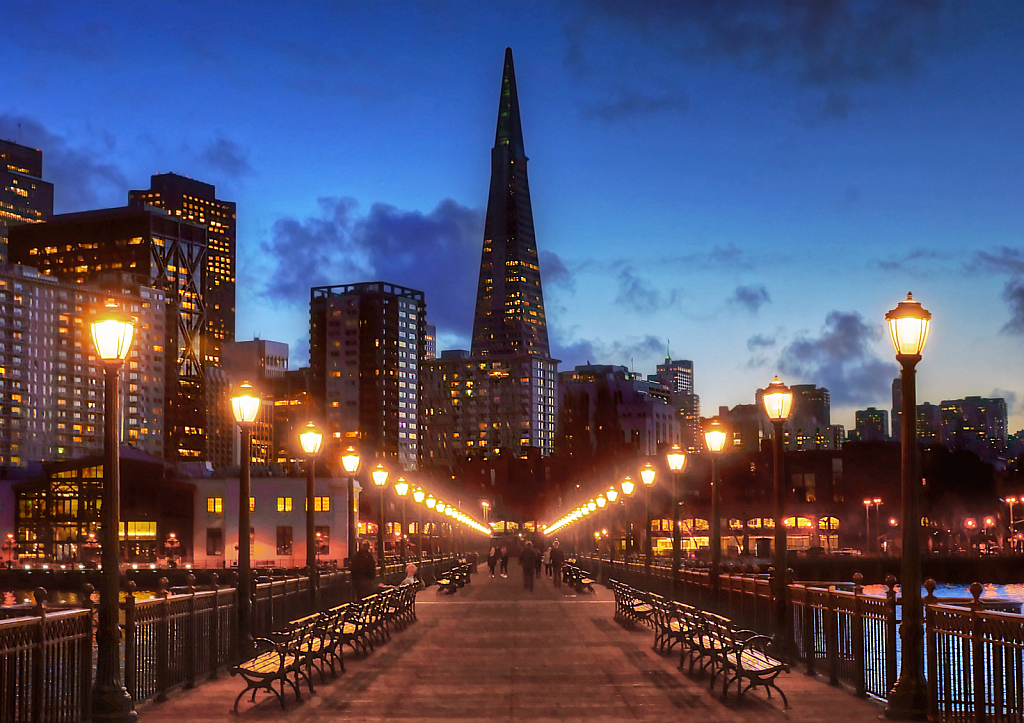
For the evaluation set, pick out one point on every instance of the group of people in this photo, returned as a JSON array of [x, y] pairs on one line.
[[531, 559]]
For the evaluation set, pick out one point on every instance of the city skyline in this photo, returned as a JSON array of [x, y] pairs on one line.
[[749, 186]]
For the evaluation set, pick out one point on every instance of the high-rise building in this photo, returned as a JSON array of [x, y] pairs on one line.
[[197, 202], [51, 383], [261, 363], [872, 425], [977, 424], [157, 250], [365, 346], [502, 396], [676, 375], [24, 196]]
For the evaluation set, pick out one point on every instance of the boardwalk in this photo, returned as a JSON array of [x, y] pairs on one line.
[[494, 652]]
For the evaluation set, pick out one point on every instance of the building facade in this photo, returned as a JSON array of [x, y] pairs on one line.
[[51, 403], [872, 425], [365, 345], [24, 196], [158, 251]]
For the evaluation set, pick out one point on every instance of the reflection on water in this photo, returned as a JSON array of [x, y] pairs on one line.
[[57, 597], [1014, 591]]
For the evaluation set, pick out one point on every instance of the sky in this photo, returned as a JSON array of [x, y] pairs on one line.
[[750, 185]]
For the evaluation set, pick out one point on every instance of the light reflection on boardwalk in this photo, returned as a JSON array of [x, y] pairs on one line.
[[494, 652]]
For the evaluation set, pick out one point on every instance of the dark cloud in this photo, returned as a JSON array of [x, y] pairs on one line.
[[620, 352], [1014, 296], [910, 261], [554, 272], [1004, 260], [637, 294], [830, 46], [80, 177], [760, 341], [436, 252], [841, 360], [1006, 395], [632, 102], [750, 297], [227, 157]]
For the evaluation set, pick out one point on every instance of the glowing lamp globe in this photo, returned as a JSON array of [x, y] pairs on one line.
[[908, 325], [401, 487], [245, 405], [311, 439], [714, 436], [419, 495], [647, 474], [676, 458], [612, 494], [380, 475], [350, 460], [627, 485], [112, 333], [777, 400], [431, 502], [601, 501]]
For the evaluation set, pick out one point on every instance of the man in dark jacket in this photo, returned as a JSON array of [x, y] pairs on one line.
[[364, 571], [557, 559], [529, 558]]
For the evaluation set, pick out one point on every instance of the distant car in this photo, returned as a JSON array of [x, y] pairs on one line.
[[847, 551]]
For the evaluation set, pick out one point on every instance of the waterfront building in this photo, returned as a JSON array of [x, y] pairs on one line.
[[24, 196]]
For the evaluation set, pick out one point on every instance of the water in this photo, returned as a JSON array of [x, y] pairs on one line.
[[1013, 591]]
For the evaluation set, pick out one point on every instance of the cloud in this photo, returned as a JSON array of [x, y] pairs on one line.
[[625, 352], [1009, 397], [1014, 296], [436, 252], [841, 360], [81, 179], [829, 47], [637, 294], [913, 260], [227, 157], [760, 341], [554, 272], [751, 297], [634, 102]]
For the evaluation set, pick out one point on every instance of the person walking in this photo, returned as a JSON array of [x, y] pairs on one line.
[[504, 561], [557, 559], [529, 558], [547, 561], [364, 570], [492, 560]]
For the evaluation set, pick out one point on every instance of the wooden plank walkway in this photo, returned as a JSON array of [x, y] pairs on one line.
[[495, 652]]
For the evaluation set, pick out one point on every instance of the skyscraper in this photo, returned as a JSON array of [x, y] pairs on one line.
[[365, 345], [24, 196], [197, 202], [502, 396], [509, 319]]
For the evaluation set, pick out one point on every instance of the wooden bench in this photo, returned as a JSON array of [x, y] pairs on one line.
[[631, 605], [670, 625], [749, 662], [578, 579], [277, 661]]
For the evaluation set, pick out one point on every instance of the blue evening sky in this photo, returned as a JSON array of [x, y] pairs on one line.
[[748, 184]]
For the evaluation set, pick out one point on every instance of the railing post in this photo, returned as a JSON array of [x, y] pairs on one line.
[[810, 641], [890, 632], [214, 641], [857, 635], [931, 650], [39, 658], [192, 636], [85, 663], [831, 636], [233, 631], [162, 640], [977, 654], [131, 636]]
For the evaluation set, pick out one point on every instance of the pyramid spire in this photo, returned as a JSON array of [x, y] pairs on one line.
[[510, 127]]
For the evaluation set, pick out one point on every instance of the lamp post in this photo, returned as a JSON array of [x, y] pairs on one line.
[[418, 497], [402, 489], [10, 544], [714, 440], [112, 334], [311, 439], [380, 478], [171, 544], [350, 461], [647, 476], [677, 463], [628, 485], [1011, 501], [612, 494], [245, 405], [431, 503], [908, 325], [778, 400], [602, 502]]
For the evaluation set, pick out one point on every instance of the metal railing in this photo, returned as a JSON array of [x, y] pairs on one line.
[[47, 655], [974, 658]]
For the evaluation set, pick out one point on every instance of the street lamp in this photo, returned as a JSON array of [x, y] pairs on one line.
[[380, 478], [908, 699], [677, 463], [112, 334], [350, 461], [778, 400], [647, 476], [171, 544], [402, 489], [612, 494], [714, 440], [311, 439], [9, 545], [628, 485], [245, 406], [418, 497], [868, 545]]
